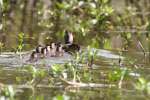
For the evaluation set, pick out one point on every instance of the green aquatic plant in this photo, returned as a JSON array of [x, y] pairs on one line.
[[85, 57], [91, 55], [61, 97], [118, 75], [66, 71], [37, 97], [7, 92], [20, 42], [57, 70], [107, 44], [74, 71], [143, 85], [82, 60], [37, 75]]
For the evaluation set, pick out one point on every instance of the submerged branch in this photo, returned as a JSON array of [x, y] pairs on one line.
[[80, 84], [142, 48]]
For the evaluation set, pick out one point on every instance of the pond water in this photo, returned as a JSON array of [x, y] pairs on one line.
[[13, 73], [105, 24]]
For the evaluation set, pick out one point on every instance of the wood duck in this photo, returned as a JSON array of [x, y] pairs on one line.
[[68, 37], [53, 49], [43, 52], [48, 50], [38, 49], [69, 45], [34, 56], [59, 50], [72, 48]]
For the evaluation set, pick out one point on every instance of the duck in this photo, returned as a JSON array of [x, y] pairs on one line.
[[40, 52], [53, 47], [68, 37], [43, 52], [59, 50], [39, 49], [69, 45], [48, 50], [34, 56]]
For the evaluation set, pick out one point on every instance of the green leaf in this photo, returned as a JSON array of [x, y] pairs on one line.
[[57, 68], [128, 35], [58, 97], [63, 5], [83, 31], [107, 44], [95, 43], [142, 81], [104, 1]]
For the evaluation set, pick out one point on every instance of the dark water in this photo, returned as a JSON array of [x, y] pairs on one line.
[[107, 61]]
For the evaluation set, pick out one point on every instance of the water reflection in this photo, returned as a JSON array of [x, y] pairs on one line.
[[106, 62]]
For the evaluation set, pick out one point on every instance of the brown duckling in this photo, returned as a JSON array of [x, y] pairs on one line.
[[48, 50], [43, 52], [34, 56], [59, 50], [38, 49], [53, 49]]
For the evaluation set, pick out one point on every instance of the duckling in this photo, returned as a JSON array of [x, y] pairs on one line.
[[69, 45], [48, 49], [53, 49], [59, 50], [34, 56], [38, 49], [43, 52]]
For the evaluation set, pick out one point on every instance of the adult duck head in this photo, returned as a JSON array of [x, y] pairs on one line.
[[69, 45], [68, 37]]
